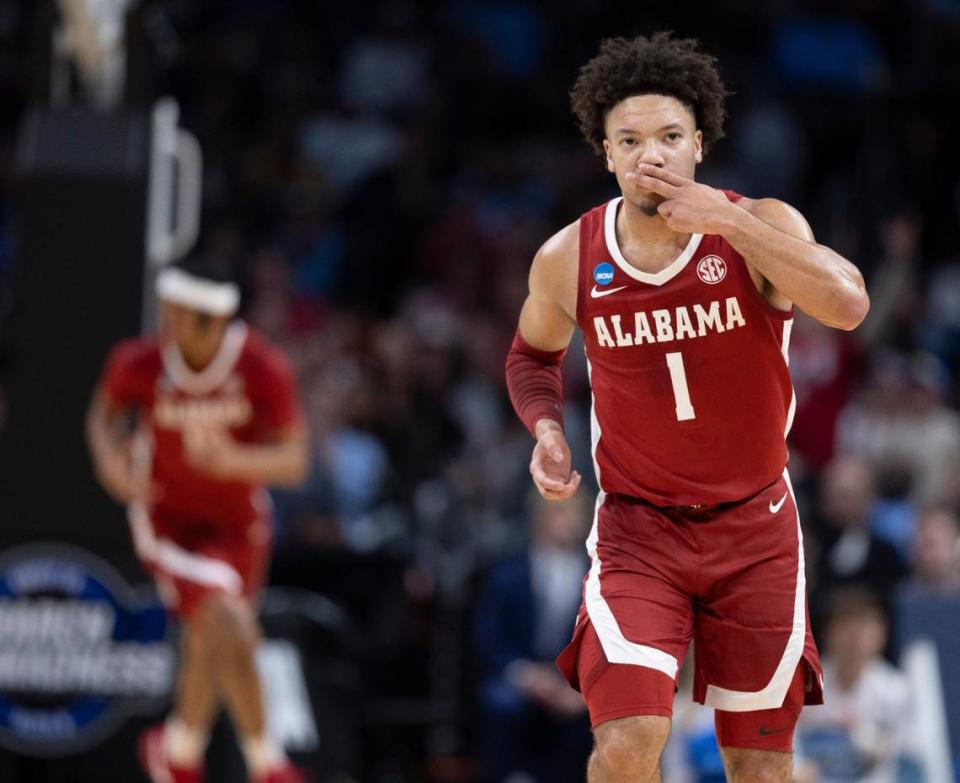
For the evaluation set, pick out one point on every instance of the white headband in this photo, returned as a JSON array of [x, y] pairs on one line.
[[175, 285]]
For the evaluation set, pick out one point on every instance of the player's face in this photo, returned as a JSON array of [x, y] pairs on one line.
[[196, 334], [656, 129]]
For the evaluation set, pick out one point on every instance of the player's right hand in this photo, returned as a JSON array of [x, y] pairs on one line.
[[550, 465], [122, 481]]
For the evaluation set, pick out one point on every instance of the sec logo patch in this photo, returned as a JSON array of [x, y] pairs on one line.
[[712, 269]]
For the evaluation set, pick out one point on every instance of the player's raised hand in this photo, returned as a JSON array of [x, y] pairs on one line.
[[550, 464], [688, 206]]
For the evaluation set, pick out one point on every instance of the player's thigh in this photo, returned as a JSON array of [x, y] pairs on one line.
[[615, 690], [636, 621], [757, 766], [748, 736], [232, 613], [752, 628], [194, 566]]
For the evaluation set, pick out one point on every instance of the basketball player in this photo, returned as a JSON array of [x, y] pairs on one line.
[[217, 419], [685, 297]]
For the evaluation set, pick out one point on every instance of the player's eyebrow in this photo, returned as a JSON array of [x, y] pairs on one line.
[[671, 126]]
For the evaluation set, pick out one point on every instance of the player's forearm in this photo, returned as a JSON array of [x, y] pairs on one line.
[[815, 278], [282, 464], [109, 453], [101, 442], [535, 385]]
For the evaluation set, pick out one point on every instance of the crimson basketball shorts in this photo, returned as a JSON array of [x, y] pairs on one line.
[[190, 559], [730, 579]]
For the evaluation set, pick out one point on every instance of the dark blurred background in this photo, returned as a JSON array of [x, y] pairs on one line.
[[382, 173]]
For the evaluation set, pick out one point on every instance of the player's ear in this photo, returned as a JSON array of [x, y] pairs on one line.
[[698, 146], [608, 154]]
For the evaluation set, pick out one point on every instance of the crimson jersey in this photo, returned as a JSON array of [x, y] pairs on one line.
[[247, 388], [692, 397]]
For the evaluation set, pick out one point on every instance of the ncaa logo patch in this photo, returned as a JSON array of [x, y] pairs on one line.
[[603, 273], [712, 269]]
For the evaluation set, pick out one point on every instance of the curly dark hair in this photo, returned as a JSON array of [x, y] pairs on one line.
[[655, 65]]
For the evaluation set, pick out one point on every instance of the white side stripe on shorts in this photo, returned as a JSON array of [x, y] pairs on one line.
[[772, 695], [616, 647], [175, 560]]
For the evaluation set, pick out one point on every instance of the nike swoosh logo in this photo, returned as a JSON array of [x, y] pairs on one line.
[[775, 507], [595, 294], [765, 732]]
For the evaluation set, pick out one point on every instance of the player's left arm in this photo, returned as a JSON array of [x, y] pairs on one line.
[[282, 459], [281, 462], [774, 239]]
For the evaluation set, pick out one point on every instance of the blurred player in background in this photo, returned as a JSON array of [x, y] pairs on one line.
[[685, 296], [216, 418]]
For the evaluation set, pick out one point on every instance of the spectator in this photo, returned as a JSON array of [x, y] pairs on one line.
[[824, 364], [859, 733], [928, 628], [936, 554], [901, 420], [852, 554], [531, 722]]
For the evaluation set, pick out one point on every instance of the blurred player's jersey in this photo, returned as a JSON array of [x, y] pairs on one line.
[[247, 389], [692, 396]]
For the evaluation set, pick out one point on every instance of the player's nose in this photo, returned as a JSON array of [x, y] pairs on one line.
[[650, 153]]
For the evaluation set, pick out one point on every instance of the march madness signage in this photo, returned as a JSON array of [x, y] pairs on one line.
[[79, 650]]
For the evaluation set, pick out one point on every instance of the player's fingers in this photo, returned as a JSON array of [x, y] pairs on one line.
[[542, 479], [666, 208], [659, 172], [563, 494], [571, 488], [563, 491], [551, 494], [657, 186]]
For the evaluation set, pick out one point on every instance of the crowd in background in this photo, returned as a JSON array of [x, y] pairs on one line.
[[382, 175]]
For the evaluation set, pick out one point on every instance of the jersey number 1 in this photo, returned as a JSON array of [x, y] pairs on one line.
[[681, 393]]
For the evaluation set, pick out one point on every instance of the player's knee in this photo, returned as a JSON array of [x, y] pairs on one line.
[[630, 748], [229, 623], [196, 643], [757, 766]]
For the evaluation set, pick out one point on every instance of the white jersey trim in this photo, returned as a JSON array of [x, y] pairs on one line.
[[616, 647], [771, 696], [176, 561], [214, 374], [651, 278], [785, 341], [785, 350]]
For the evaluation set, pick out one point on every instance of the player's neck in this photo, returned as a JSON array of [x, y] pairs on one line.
[[637, 230]]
